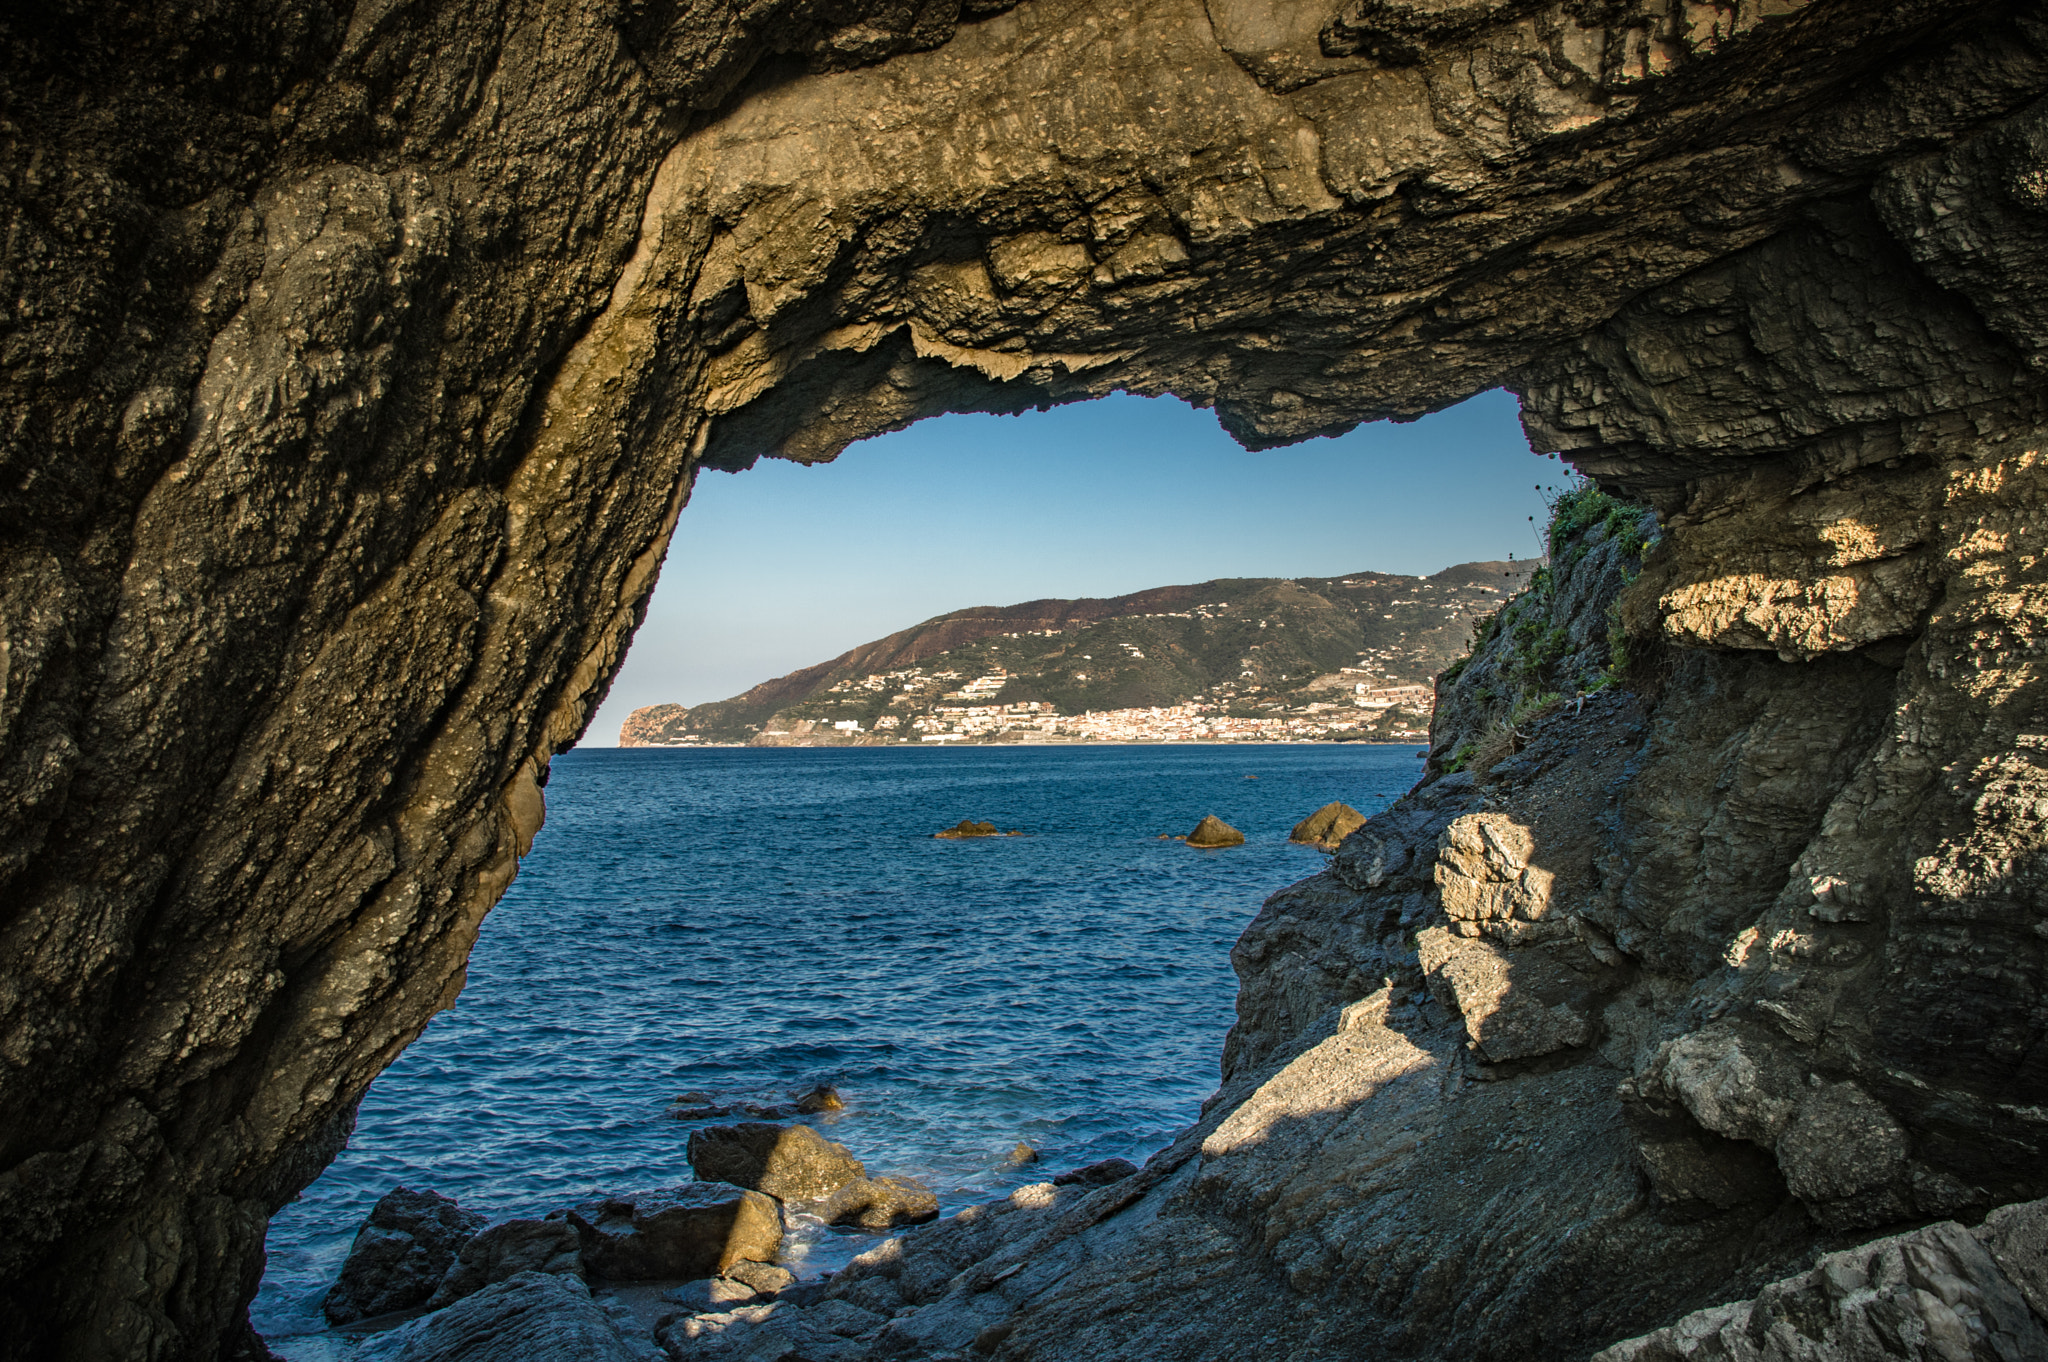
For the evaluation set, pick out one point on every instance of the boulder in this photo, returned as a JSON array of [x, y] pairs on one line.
[[400, 1254], [819, 1099], [1214, 832], [1097, 1174], [968, 828], [506, 1250], [1023, 1154], [880, 1204], [696, 1230], [1327, 826], [790, 1163], [528, 1316]]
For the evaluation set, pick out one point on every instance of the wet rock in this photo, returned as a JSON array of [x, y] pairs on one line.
[[1023, 1153], [968, 828], [1327, 826], [525, 1318], [1214, 832], [1097, 1174], [699, 1229], [788, 1162], [406, 1245], [505, 1250], [879, 1204], [818, 1100]]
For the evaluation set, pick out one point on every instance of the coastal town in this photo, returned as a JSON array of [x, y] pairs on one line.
[[1354, 711]]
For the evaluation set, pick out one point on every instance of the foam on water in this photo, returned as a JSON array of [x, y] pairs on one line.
[[758, 921]]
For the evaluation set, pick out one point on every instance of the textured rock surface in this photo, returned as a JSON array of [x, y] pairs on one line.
[[696, 1230], [506, 1250], [524, 1318], [407, 1244], [788, 1162], [361, 357], [1934, 1294], [1328, 826], [879, 1204], [1214, 832]]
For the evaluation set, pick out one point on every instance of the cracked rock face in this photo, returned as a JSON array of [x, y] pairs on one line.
[[361, 358]]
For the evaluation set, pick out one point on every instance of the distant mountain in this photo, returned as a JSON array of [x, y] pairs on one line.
[[1238, 657]]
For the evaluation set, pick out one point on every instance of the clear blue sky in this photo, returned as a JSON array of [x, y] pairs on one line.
[[786, 565]]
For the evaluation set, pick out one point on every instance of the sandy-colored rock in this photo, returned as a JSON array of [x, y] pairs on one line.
[[879, 1204], [1327, 826], [788, 1162], [1214, 832]]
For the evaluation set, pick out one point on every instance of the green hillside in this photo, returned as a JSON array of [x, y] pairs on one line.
[[1245, 647]]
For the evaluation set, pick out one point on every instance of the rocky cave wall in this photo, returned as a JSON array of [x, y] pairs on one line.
[[361, 359]]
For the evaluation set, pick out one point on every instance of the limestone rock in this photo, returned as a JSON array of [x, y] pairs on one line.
[[1327, 826], [699, 1229], [507, 1249], [788, 1162], [879, 1204], [527, 1316], [405, 1247], [1214, 832]]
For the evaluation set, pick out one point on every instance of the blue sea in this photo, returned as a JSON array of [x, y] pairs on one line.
[[755, 921]]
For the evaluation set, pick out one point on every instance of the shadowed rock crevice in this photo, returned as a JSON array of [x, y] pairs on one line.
[[363, 359]]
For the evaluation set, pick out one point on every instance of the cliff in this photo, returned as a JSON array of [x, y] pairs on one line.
[[360, 358]]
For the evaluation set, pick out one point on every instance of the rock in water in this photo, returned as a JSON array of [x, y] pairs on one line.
[[1214, 832], [525, 1318], [1023, 1154], [820, 1099], [789, 1163], [696, 1230], [1327, 826], [880, 1204], [506, 1250], [968, 828], [400, 1254]]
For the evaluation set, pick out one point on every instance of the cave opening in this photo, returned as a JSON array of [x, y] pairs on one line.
[[706, 929]]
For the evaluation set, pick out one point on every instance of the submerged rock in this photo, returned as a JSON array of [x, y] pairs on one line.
[[820, 1099], [525, 1318], [400, 1254], [1214, 832], [880, 1204], [789, 1163], [504, 1251], [1097, 1174], [1023, 1154], [705, 1106], [1327, 826], [696, 1230]]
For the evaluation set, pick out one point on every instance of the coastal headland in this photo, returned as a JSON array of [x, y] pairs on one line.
[[1336, 659]]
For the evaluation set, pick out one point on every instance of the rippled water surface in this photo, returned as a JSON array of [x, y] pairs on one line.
[[757, 921]]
